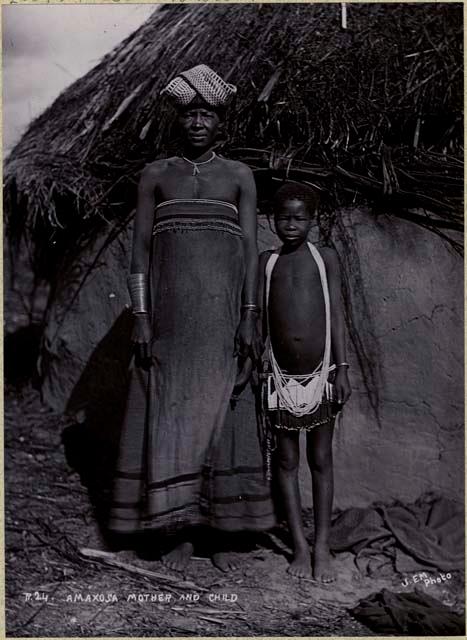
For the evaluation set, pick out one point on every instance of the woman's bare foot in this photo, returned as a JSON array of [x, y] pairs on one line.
[[300, 567], [179, 557], [225, 561], [222, 556], [322, 564]]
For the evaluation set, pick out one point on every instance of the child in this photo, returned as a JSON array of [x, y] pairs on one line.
[[308, 384]]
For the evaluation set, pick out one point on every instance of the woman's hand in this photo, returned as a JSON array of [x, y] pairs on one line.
[[243, 376], [246, 340], [342, 385], [141, 338]]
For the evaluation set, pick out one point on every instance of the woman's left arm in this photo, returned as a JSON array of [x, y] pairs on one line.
[[247, 219], [342, 385]]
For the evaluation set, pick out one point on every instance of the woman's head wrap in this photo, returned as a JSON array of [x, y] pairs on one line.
[[203, 81]]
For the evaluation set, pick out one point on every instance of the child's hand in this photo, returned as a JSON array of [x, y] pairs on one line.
[[342, 385]]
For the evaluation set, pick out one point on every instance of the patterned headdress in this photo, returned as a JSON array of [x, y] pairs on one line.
[[203, 81]]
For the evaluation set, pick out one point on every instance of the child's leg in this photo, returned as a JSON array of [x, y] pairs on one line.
[[288, 462], [319, 454]]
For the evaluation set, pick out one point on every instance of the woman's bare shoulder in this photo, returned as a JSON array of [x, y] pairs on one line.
[[155, 170], [240, 168]]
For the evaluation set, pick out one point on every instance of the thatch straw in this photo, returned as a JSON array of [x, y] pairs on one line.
[[373, 112]]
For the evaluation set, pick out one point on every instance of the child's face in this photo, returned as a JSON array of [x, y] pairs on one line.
[[293, 222]]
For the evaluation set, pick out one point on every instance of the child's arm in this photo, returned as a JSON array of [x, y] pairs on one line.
[[341, 384]]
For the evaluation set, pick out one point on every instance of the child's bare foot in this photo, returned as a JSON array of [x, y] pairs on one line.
[[179, 557], [225, 561], [322, 564], [300, 567]]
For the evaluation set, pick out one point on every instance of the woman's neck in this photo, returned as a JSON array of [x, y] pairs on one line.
[[198, 155]]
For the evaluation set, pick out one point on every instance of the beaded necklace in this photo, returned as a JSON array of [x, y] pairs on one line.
[[197, 164]]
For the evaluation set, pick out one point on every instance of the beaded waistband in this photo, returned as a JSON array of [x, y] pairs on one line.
[[187, 223]]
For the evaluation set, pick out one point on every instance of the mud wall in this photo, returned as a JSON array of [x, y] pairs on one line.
[[402, 431]]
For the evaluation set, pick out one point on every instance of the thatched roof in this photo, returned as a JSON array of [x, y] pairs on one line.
[[375, 111]]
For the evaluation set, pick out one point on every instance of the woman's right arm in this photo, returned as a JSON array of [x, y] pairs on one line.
[[142, 230], [142, 234]]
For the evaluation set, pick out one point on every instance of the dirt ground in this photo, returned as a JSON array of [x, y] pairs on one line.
[[54, 587]]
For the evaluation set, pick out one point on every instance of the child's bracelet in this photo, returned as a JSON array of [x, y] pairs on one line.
[[342, 364]]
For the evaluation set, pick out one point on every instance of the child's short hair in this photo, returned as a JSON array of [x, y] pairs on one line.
[[296, 191]]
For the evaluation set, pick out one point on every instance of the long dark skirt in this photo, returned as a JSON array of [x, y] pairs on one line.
[[187, 455]]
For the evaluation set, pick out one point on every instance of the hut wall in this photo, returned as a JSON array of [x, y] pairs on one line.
[[412, 324], [402, 431]]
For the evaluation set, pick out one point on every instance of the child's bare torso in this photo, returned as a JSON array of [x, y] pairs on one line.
[[297, 321]]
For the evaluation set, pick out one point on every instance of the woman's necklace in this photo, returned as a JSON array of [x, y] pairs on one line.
[[197, 164]]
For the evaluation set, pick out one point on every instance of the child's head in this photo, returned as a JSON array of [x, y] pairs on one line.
[[294, 207]]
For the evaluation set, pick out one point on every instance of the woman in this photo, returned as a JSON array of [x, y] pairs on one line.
[[186, 458]]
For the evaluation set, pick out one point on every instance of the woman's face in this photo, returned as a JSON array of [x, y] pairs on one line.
[[199, 125]]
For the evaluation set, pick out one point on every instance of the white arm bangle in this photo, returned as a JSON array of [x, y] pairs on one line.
[[138, 290]]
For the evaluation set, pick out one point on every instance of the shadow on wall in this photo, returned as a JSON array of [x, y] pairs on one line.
[[97, 403], [20, 355]]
